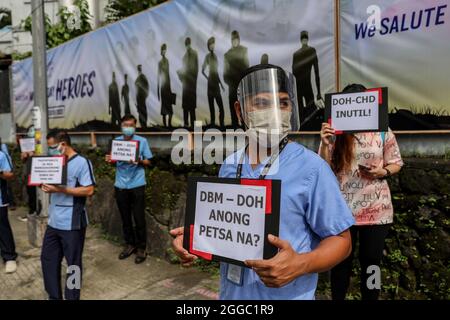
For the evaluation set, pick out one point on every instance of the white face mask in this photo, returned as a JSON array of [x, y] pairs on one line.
[[268, 127]]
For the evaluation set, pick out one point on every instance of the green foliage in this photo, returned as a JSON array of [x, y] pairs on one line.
[[212, 267], [119, 9], [396, 256], [20, 56], [69, 26]]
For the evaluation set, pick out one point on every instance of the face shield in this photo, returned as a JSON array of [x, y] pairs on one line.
[[268, 104]]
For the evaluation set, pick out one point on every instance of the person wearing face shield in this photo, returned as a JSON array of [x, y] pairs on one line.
[[314, 218], [130, 193]]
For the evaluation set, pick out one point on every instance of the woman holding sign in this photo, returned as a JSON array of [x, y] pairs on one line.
[[362, 161], [314, 218]]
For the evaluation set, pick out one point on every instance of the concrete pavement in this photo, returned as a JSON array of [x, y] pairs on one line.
[[105, 277]]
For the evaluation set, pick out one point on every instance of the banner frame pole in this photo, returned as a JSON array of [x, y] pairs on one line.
[[337, 44]]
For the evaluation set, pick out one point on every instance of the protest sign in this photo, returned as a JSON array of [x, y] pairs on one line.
[[27, 144], [229, 219], [122, 150], [47, 170], [358, 111]]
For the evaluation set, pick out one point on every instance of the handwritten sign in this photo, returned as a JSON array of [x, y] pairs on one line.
[[27, 144], [47, 170], [357, 112], [229, 219], [122, 150]]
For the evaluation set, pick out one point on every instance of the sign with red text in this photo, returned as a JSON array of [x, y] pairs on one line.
[[229, 219], [358, 111]]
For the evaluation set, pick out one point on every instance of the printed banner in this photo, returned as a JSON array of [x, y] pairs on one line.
[[182, 61], [403, 45]]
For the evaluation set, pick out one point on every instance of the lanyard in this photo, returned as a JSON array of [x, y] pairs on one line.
[[266, 169]]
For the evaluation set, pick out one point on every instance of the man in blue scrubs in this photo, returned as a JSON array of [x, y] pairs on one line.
[[12, 203], [314, 218], [67, 220], [7, 244], [130, 193]]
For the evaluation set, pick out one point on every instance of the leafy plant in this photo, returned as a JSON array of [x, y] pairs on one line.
[[71, 24], [119, 9]]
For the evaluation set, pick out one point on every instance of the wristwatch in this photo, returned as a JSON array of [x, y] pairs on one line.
[[388, 172]]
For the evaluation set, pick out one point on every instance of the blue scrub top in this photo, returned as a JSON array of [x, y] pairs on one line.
[[4, 148], [130, 176], [67, 212], [312, 208], [5, 165]]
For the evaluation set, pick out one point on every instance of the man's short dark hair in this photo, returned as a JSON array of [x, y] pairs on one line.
[[187, 41], [211, 41], [304, 35], [128, 117], [52, 134], [354, 87], [59, 136]]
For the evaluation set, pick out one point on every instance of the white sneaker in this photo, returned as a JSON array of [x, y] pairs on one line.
[[11, 266]]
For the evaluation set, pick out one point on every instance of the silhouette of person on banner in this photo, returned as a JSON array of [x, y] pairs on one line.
[[125, 94], [236, 62], [214, 83], [304, 60], [142, 89], [114, 102], [265, 58], [165, 94], [188, 76]]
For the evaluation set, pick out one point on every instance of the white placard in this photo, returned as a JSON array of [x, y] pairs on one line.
[[124, 150], [36, 117], [27, 144], [355, 111], [230, 220], [46, 170]]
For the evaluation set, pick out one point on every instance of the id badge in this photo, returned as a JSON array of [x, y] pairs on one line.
[[235, 274]]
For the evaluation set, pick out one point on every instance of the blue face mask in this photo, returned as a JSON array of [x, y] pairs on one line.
[[54, 151], [31, 133], [128, 131]]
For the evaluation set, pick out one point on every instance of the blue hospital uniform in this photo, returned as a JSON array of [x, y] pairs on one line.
[[7, 244], [312, 208], [6, 166], [67, 212], [130, 176], [130, 196], [66, 229]]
